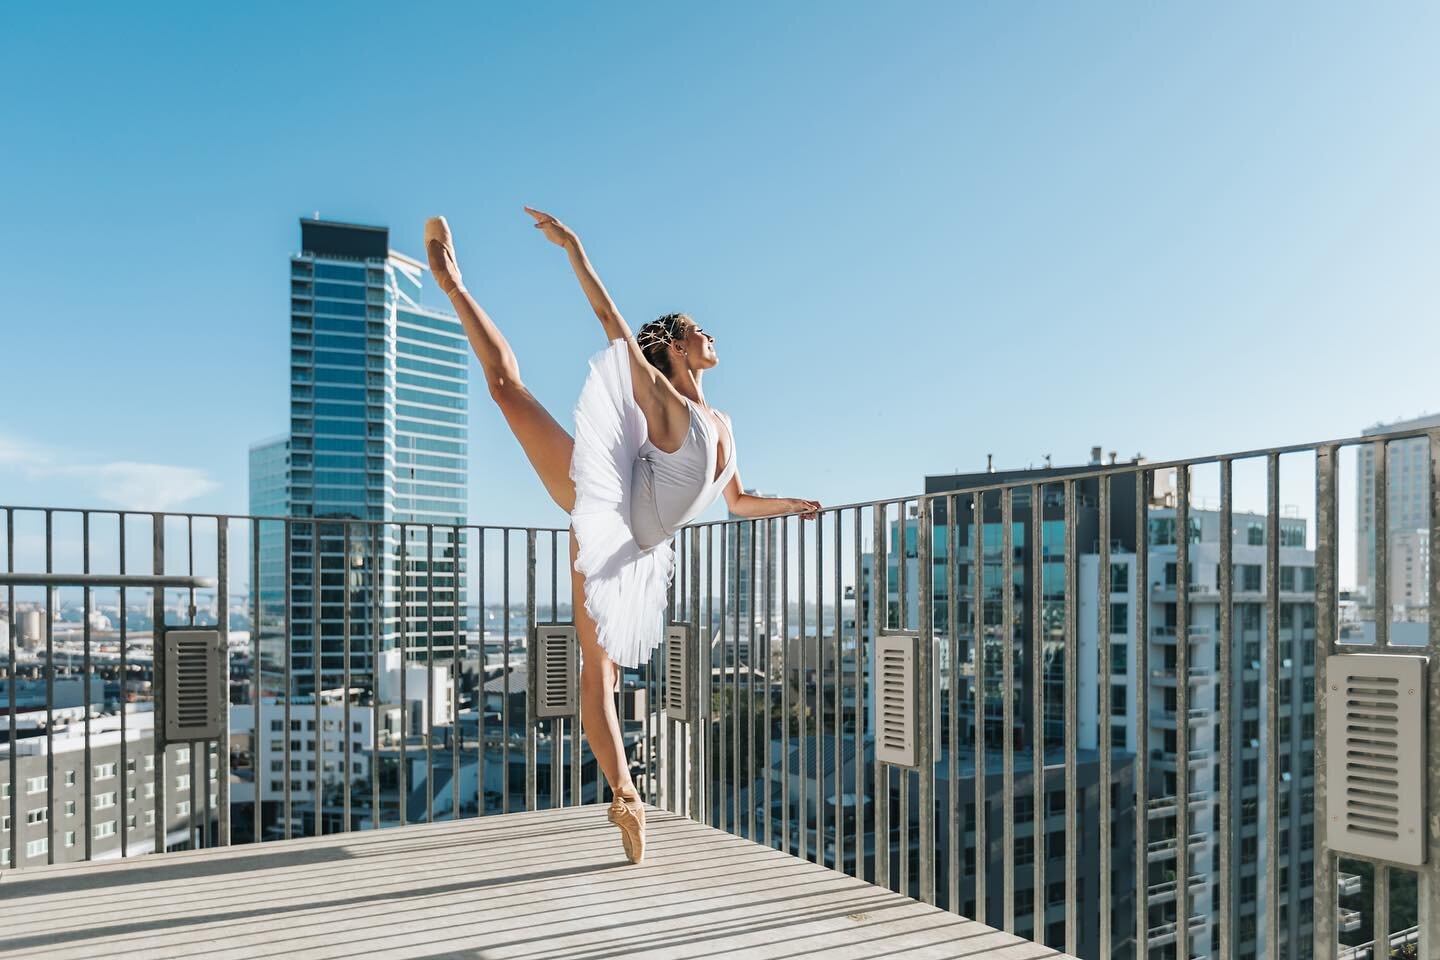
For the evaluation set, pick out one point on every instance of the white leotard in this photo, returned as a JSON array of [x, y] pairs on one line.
[[669, 489]]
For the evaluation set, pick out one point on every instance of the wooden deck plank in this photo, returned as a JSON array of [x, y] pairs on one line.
[[547, 885]]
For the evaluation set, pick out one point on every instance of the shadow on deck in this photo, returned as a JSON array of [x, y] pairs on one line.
[[547, 885]]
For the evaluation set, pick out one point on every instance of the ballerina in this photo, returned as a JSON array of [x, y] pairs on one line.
[[649, 454]]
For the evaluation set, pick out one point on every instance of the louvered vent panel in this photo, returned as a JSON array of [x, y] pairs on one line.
[[1375, 735], [677, 671], [195, 676], [555, 650], [895, 689]]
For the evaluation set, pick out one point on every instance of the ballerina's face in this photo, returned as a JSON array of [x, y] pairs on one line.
[[698, 345]]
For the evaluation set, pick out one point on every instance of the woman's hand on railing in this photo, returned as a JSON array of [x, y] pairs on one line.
[[808, 509]]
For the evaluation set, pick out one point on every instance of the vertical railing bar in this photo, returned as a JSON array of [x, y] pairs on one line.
[[124, 687], [157, 598], [722, 794], [838, 619], [1040, 813], [52, 595], [768, 529], [257, 624], [1272, 702], [1142, 711], [531, 725], [377, 579], [861, 705], [785, 683], [699, 726], [712, 722], [804, 695], [1226, 687], [317, 678], [1102, 697], [952, 701], [85, 695], [819, 689], [879, 614], [1072, 721], [460, 651], [1326, 894], [902, 561], [982, 839], [505, 673], [1429, 878], [1382, 545], [222, 747], [750, 605], [1380, 924], [1182, 710], [735, 705], [345, 681], [13, 686], [202, 833], [925, 743], [402, 596], [483, 668], [1007, 710], [430, 673]]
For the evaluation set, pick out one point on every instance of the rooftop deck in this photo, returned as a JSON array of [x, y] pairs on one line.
[[540, 886]]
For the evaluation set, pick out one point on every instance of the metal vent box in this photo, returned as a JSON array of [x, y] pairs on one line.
[[1375, 737], [677, 671], [196, 675], [556, 654]]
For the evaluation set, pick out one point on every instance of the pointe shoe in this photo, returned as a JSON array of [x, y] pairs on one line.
[[440, 249], [628, 813]]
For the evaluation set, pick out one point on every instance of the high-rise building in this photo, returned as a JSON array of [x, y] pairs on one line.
[[1157, 733], [1406, 508], [378, 432]]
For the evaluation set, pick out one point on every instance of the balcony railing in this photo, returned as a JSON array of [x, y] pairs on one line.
[[415, 699]]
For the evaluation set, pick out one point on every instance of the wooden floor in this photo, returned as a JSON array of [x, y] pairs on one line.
[[550, 885]]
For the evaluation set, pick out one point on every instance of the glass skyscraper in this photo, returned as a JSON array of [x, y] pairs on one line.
[[378, 432]]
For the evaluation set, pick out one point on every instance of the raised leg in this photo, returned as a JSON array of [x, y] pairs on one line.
[[547, 445]]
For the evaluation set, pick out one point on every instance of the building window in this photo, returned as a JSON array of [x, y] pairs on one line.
[[1255, 533], [182, 781], [36, 784], [104, 771], [38, 815], [130, 822], [1120, 618], [69, 808], [182, 808], [4, 791], [276, 726], [69, 778], [36, 848], [5, 824], [149, 818], [106, 829], [1119, 578], [104, 801], [1119, 658], [69, 838]]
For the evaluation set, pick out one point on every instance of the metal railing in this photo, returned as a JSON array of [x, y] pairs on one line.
[[780, 616]]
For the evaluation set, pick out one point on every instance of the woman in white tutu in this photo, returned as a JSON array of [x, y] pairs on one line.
[[648, 456]]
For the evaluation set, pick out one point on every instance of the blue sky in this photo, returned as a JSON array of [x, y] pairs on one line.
[[921, 233]]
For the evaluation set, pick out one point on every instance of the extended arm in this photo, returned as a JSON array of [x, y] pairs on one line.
[[752, 506], [605, 309]]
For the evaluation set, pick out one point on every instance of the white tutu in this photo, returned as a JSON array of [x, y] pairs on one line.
[[625, 586]]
